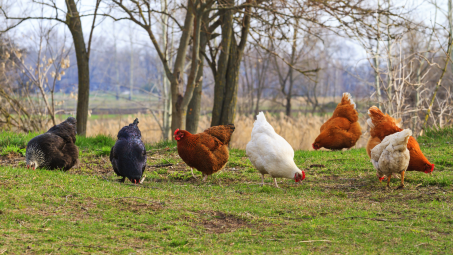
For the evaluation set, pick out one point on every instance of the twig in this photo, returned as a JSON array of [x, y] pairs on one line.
[[105, 178], [65, 201], [88, 246], [356, 217], [317, 165], [312, 241], [161, 165], [139, 198]]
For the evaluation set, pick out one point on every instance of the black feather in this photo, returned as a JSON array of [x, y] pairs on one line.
[[56, 148], [128, 155]]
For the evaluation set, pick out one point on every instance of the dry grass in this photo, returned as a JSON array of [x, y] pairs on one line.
[[299, 131]]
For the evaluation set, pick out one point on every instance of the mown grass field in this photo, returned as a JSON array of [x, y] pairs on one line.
[[340, 208]]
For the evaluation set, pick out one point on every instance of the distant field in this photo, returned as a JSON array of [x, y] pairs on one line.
[[105, 103], [341, 208]]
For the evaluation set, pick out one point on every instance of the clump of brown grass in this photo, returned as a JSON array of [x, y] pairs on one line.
[[299, 131]]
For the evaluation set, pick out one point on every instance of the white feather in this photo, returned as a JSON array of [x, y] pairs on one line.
[[349, 97], [269, 152], [392, 155], [370, 123]]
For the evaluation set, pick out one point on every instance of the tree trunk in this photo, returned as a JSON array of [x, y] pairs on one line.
[[131, 70], [177, 95], [376, 65], [450, 31], [227, 76], [75, 26], [193, 111]]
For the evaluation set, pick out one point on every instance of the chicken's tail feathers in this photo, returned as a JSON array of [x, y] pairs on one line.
[[260, 120], [375, 114], [347, 99], [231, 127], [261, 125], [402, 137], [221, 132], [135, 122], [260, 117]]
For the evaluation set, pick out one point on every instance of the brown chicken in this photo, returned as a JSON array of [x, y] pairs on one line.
[[208, 151], [382, 125], [342, 130]]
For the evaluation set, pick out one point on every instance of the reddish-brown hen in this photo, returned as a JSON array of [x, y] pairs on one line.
[[382, 125], [342, 130], [207, 151]]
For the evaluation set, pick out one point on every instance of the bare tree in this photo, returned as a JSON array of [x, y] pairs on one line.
[[82, 50]]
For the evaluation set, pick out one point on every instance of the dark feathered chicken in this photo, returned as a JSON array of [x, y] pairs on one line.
[[54, 149], [128, 155]]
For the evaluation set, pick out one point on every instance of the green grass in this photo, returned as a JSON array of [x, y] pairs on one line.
[[340, 207]]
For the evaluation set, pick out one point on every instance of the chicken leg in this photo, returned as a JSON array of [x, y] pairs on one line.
[[262, 179], [402, 181], [205, 177], [275, 181], [388, 180]]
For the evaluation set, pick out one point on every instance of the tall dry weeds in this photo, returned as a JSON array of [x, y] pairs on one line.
[[299, 131]]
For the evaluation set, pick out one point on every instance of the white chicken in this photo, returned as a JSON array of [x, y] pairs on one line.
[[391, 156], [271, 154]]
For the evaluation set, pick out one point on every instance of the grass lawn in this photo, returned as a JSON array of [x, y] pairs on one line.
[[340, 208]]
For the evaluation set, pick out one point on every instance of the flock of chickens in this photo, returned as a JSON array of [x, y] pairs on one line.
[[391, 149]]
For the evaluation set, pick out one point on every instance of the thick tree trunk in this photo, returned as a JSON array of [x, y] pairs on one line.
[[193, 111], [75, 26], [176, 92], [227, 76]]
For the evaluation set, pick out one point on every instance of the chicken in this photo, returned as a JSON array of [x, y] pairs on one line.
[[392, 156], [272, 154], [382, 125], [54, 149], [207, 151], [342, 130], [128, 155]]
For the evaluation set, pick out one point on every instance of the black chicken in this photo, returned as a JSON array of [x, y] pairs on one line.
[[128, 155], [54, 149]]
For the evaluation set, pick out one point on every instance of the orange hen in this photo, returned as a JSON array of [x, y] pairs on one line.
[[342, 130], [382, 125], [207, 151]]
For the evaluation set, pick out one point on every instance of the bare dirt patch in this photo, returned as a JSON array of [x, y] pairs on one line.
[[220, 222], [12, 159], [138, 205]]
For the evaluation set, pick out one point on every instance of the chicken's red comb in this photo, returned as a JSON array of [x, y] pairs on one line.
[[176, 131]]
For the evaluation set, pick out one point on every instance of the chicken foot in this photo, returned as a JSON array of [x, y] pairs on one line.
[[205, 177], [402, 181]]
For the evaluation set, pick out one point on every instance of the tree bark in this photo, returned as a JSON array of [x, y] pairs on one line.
[[193, 110], [75, 27], [227, 75]]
